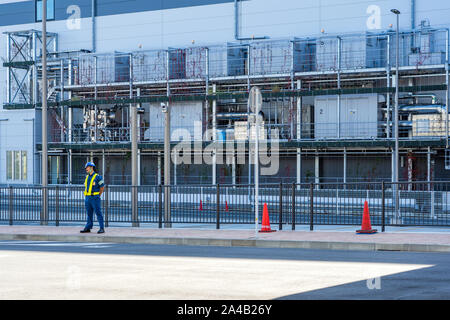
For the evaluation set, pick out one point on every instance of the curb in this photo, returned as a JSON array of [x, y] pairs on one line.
[[292, 244]]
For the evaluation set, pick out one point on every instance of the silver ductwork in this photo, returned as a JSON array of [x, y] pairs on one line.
[[401, 123], [432, 96], [433, 108], [231, 115]]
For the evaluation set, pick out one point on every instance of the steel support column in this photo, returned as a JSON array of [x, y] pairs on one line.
[[44, 177], [214, 137]]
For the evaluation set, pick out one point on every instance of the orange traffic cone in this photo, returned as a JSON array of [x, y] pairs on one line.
[[226, 206], [265, 220], [201, 206], [366, 228]]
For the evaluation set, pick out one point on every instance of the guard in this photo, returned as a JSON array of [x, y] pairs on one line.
[[93, 189]]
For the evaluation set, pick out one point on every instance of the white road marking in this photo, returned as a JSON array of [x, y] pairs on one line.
[[57, 244]]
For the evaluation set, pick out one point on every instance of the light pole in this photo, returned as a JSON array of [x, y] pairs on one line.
[[396, 149], [44, 161], [165, 107], [134, 162], [255, 105]]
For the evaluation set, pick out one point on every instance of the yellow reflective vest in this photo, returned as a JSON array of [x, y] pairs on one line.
[[88, 191]]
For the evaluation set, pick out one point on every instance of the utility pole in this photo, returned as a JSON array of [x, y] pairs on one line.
[[396, 149], [255, 105], [166, 111], [134, 161], [44, 162]]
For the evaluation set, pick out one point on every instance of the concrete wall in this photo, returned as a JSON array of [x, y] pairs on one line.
[[16, 134]]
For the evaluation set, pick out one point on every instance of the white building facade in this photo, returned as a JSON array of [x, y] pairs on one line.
[[101, 26]]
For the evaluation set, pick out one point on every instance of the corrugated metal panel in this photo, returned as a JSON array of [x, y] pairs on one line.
[[229, 60], [149, 65], [376, 51], [358, 117], [304, 55], [271, 57], [420, 59], [237, 59], [196, 63], [183, 116], [356, 52], [307, 121], [113, 68], [326, 54], [84, 70], [325, 117], [426, 41], [353, 55], [218, 65], [177, 64]]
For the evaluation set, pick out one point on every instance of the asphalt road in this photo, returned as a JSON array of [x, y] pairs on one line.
[[57, 270]]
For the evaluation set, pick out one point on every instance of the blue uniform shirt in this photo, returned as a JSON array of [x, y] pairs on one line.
[[97, 184]]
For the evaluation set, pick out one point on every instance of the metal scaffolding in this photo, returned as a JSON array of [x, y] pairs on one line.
[[24, 49], [211, 83]]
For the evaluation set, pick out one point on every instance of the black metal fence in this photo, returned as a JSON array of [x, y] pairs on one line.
[[390, 204]]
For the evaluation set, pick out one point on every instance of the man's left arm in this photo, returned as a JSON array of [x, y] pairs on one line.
[[101, 184]]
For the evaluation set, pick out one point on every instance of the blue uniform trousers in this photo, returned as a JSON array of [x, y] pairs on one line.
[[93, 203]]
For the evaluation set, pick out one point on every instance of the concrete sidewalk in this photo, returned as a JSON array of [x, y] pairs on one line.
[[423, 240]]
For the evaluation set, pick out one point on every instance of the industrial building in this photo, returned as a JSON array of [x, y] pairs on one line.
[[326, 69]]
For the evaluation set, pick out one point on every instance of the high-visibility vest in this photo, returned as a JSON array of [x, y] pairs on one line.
[[88, 192]]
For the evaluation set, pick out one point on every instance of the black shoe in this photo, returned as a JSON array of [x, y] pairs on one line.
[[85, 231], [101, 231]]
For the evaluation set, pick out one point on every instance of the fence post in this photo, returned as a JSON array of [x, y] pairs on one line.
[[432, 211], [106, 207], [10, 205], [280, 227], [383, 221], [311, 207], [44, 212], [217, 206], [57, 206], [160, 206], [134, 206], [293, 206]]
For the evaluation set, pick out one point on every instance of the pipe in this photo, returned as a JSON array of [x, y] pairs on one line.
[[413, 14], [447, 82], [401, 123], [236, 20], [232, 115], [8, 58], [423, 109], [93, 12], [432, 96]]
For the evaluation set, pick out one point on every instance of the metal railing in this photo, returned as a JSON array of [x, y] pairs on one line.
[[419, 204], [192, 179], [324, 53], [421, 127]]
